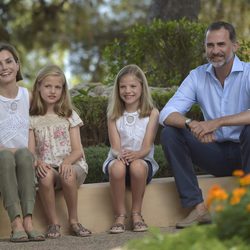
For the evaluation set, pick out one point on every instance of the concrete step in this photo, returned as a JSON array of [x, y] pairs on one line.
[[161, 205]]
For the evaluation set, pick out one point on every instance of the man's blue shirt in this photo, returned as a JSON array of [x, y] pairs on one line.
[[202, 87]]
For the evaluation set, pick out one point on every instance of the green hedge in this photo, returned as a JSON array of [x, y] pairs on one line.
[[165, 50], [92, 111], [96, 155]]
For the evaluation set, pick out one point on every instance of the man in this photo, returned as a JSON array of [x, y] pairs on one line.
[[221, 143]]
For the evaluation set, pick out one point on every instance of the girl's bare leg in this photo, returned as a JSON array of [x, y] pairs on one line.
[[69, 187], [138, 177], [117, 173], [47, 196]]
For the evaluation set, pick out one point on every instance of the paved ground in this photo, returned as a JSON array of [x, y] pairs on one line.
[[103, 241]]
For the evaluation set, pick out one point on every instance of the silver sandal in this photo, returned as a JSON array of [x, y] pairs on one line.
[[118, 227], [139, 226]]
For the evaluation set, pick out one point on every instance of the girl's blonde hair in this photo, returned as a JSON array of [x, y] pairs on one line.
[[116, 105], [63, 107]]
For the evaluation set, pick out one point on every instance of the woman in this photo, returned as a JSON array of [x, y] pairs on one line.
[[17, 182]]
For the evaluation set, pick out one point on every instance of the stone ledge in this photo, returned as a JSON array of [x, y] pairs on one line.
[[161, 205]]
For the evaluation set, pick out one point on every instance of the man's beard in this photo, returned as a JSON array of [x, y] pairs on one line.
[[221, 63]]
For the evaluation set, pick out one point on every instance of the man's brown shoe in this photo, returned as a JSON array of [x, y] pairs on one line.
[[195, 218]]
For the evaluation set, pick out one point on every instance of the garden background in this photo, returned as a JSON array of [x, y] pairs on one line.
[[92, 39]]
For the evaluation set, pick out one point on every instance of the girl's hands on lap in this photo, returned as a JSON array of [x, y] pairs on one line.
[[129, 155], [122, 159], [42, 169], [66, 170]]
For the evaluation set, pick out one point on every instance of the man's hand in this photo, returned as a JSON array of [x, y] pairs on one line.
[[204, 130], [208, 138]]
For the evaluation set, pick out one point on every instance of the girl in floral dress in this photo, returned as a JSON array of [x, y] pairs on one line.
[[54, 138]]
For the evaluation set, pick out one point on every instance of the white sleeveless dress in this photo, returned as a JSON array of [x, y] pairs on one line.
[[132, 129]]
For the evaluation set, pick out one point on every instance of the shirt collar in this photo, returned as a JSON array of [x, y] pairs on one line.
[[237, 66]]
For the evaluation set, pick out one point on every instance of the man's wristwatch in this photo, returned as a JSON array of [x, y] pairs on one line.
[[187, 122]]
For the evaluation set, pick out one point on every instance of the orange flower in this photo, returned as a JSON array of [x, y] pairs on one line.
[[216, 193], [248, 207], [239, 191], [219, 208], [237, 194], [238, 173], [245, 181], [234, 200]]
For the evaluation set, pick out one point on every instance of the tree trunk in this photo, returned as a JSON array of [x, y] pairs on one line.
[[174, 9]]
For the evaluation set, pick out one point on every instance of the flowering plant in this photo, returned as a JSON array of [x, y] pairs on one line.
[[230, 230], [232, 210]]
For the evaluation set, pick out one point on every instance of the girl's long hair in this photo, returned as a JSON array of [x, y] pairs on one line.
[[63, 107], [116, 105]]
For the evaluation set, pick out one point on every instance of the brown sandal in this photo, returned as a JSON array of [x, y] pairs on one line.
[[118, 227], [139, 226], [53, 231], [79, 230]]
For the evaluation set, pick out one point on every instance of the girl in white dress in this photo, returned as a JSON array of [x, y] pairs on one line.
[[54, 139], [132, 126]]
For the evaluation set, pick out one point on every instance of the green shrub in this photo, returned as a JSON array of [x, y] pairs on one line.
[[92, 111], [244, 51], [166, 51], [95, 156], [194, 238], [161, 97], [231, 210]]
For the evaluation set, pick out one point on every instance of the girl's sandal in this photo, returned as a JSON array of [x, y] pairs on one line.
[[79, 230], [139, 226], [53, 231], [118, 227]]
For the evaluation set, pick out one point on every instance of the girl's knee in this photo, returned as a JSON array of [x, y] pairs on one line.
[[71, 180], [48, 180], [117, 171], [138, 169]]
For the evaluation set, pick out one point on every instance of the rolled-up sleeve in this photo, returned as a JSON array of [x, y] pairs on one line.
[[182, 100]]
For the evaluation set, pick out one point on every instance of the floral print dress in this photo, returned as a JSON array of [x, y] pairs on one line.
[[53, 139]]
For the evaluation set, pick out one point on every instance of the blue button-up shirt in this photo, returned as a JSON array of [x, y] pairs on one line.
[[202, 87]]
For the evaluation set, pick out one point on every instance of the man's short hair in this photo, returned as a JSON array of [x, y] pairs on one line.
[[227, 26]]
